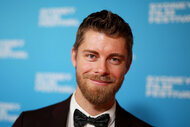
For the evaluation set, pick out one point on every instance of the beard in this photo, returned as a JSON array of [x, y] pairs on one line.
[[98, 95]]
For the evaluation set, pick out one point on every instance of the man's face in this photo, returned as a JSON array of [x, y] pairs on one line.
[[100, 66]]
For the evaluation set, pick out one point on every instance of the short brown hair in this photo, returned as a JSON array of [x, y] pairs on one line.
[[109, 23]]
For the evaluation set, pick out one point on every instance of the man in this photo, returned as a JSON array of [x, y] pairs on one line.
[[102, 55]]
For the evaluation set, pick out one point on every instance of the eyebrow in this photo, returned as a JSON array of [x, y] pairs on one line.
[[90, 51], [117, 55]]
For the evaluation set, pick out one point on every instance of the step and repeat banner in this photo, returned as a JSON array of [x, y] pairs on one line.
[[36, 38]]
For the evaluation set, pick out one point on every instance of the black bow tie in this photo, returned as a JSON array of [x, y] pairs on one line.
[[80, 120]]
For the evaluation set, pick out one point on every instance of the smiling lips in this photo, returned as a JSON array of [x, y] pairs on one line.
[[99, 80]]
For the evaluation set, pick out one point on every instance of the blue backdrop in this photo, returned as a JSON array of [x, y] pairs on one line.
[[36, 38]]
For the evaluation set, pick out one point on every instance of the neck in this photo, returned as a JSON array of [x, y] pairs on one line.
[[89, 107]]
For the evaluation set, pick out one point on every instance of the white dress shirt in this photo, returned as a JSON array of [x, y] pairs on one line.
[[74, 105]]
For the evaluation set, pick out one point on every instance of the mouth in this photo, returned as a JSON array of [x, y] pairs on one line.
[[100, 82]]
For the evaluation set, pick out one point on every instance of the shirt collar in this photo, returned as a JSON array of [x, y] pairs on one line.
[[74, 105]]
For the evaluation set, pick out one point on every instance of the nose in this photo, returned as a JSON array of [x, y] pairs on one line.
[[101, 68]]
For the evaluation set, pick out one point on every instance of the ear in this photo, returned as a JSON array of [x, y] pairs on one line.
[[128, 66], [73, 57]]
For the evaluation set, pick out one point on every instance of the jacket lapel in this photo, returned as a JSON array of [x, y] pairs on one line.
[[121, 115], [60, 113]]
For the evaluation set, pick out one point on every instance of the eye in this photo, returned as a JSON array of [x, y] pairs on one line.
[[115, 60], [91, 57]]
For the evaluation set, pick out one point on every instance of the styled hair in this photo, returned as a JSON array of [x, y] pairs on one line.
[[108, 23]]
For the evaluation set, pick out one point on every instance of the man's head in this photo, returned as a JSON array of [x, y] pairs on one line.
[[102, 55], [108, 23]]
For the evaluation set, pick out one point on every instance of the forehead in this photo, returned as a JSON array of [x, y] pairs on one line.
[[103, 43]]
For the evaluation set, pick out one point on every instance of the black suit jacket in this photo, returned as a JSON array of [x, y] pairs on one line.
[[56, 116]]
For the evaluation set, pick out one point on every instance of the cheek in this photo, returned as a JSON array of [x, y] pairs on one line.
[[84, 67], [118, 73]]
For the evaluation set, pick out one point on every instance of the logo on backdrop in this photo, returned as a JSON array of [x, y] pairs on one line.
[[51, 17], [51, 82], [5, 115], [168, 87], [169, 12], [11, 49]]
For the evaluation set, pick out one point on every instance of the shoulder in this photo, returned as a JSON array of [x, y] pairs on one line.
[[44, 111], [43, 116], [124, 118], [48, 110]]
